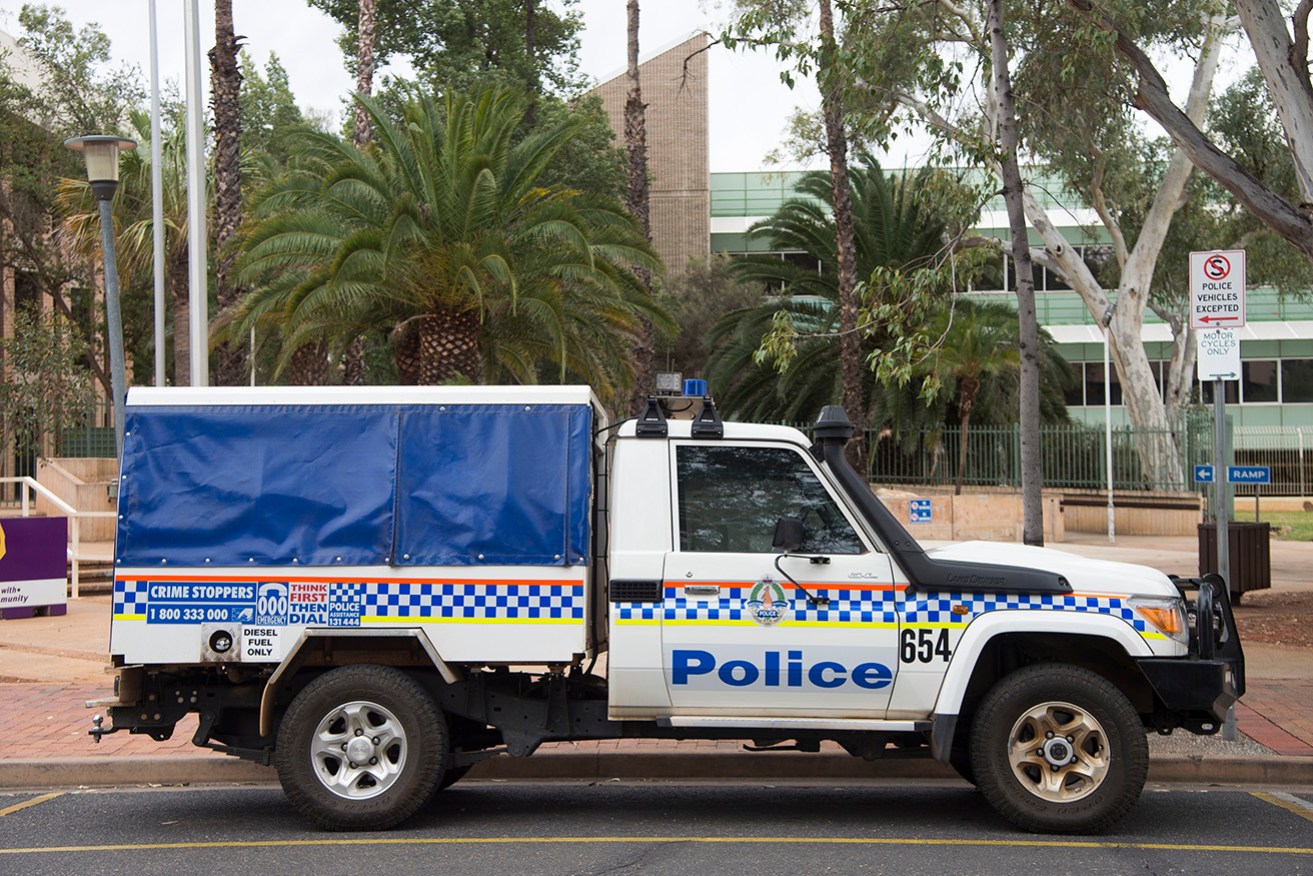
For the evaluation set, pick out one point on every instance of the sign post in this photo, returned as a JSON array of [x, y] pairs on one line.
[[1217, 310]]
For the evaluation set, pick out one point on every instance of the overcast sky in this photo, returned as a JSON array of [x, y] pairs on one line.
[[749, 105]]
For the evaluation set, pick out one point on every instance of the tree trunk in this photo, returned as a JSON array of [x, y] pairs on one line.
[[1287, 78], [530, 50], [1292, 222], [226, 84], [177, 280], [446, 348], [1032, 473], [365, 42], [308, 365], [637, 201], [836, 141], [966, 403]]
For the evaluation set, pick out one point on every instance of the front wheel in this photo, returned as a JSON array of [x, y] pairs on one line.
[[361, 748], [1059, 749]]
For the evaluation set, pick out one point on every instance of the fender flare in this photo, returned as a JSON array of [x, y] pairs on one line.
[[988, 626], [290, 663]]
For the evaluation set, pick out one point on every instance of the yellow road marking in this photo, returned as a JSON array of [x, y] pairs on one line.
[[35, 801], [636, 840], [1288, 802]]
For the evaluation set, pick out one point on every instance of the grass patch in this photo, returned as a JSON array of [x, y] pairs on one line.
[[1288, 525]]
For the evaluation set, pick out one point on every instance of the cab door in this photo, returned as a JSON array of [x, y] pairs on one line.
[[738, 637]]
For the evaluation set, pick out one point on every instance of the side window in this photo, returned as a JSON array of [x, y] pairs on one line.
[[730, 498]]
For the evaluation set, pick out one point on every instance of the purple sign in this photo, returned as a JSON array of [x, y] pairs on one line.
[[33, 565]]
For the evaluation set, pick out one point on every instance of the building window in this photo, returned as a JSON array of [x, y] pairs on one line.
[[1094, 384], [1259, 381], [26, 292], [1231, 395], [1297, 380]]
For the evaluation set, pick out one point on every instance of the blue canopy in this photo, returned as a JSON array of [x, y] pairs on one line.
[[355, 484]]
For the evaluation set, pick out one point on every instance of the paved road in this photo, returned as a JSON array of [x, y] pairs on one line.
[[684, 829]]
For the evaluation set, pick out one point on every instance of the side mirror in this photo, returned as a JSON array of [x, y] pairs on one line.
[[789, 534]]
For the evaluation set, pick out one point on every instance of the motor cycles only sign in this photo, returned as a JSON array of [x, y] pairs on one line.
[[1217, 289]]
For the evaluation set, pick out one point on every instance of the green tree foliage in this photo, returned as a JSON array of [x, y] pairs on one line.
[[465, 43], [444, 236], [697, 299], [971, 375], [79, 93], [269, 112], [896, 235], [48, 388]]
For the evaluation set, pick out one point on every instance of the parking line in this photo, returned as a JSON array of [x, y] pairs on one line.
[[639, 840], [35, 801], [1288, 802]]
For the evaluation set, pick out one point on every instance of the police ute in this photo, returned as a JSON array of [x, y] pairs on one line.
[[373, 589]]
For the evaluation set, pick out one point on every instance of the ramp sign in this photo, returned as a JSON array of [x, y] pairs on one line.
[[1217, 289]]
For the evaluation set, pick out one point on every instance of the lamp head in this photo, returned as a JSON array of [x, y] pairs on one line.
[[101, 152]]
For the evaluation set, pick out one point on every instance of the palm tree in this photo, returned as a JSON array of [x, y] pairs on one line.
[[443, 236], [891, 229], [226, 85], [134, 225]]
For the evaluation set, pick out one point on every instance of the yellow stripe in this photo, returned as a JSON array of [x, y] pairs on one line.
[[35, 801], [936, 625], [640, 840], [129, 617], [683, 622], [471, 620], [636, 622], [1299, 807]]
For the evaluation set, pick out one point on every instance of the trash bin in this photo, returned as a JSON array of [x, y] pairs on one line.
[[1251, 555]]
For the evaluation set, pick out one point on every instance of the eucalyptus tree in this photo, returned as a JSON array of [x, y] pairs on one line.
[[444, 235], [786, 28], [635, 125], [1073, 115]]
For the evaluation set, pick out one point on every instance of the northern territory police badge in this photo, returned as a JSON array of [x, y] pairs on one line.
[[766, 603]]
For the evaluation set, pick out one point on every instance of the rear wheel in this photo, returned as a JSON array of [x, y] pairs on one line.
[[1059, 749], [361, 748]]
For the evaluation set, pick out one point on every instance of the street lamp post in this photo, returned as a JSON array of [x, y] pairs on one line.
[[101, 152]]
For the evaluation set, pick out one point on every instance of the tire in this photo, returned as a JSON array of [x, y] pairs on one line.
[[400, 748], [452, 776], [1059, 749]]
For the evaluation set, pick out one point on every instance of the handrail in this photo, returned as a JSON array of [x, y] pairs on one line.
[[73, 514]]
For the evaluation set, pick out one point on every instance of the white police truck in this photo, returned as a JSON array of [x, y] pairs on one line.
[[372, 589]]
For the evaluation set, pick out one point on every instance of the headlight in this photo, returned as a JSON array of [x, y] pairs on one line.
[[1165, 615]]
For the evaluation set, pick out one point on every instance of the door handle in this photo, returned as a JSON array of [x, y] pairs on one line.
[[702, 589]]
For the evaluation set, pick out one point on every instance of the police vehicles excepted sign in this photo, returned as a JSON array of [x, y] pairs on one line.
[[1217, 354], [1203, 474], [920, 510], [1248, 474], [1217, 289]]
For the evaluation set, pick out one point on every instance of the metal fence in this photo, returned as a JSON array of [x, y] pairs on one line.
[[92, 436], [1074, 456]]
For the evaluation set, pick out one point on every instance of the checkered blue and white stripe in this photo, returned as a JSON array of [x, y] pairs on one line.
[[877, 607], [473, 601], [846, 606], [130, 597], [937, 608]]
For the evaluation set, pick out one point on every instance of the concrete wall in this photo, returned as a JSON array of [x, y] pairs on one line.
[[1135, 521], [985, 516], [86, 485]]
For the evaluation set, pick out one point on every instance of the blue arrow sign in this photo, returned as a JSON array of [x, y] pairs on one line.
[[1203, 474], [920, 510], [1248, 474]]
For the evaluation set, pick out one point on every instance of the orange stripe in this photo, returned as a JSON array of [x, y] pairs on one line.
[[316, 579], [817, 585]]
